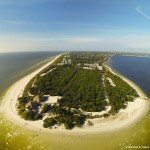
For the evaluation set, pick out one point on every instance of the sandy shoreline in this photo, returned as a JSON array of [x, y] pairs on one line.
[[123, 119]]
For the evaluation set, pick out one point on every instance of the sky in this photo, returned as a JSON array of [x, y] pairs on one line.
[[95, 25]]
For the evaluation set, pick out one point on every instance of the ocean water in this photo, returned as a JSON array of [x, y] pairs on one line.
[[14, 66], [137, 69]]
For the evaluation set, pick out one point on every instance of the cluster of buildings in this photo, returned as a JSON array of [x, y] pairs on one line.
[[37, 101], [89, 66], [65, 61], [92, 66]]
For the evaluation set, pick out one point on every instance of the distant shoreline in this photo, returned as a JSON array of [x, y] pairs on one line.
[[134, 111]]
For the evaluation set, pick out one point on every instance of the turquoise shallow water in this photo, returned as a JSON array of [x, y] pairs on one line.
[[16, 65]]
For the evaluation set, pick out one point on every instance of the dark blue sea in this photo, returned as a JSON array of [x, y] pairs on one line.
[[137, 69]]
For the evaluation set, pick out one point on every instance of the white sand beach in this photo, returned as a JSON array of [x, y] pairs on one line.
[[134, 111]]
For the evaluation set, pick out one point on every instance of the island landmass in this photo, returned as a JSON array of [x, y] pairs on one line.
[[77, 91]]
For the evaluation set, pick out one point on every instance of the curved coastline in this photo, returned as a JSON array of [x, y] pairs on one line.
[[134, 111]]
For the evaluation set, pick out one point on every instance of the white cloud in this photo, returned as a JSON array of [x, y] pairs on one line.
[[39, 43], [83, 39], [142, 42]]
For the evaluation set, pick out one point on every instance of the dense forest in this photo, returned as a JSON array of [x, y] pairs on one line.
[[81, 80], [119, 94], [79, 88]]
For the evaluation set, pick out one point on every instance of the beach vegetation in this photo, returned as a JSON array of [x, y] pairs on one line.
[[120, 94], [81, 80], [45, 108], [49, 122]]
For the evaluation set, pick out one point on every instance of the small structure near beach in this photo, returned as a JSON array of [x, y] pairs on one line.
[[31, 105], [38, 98]]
